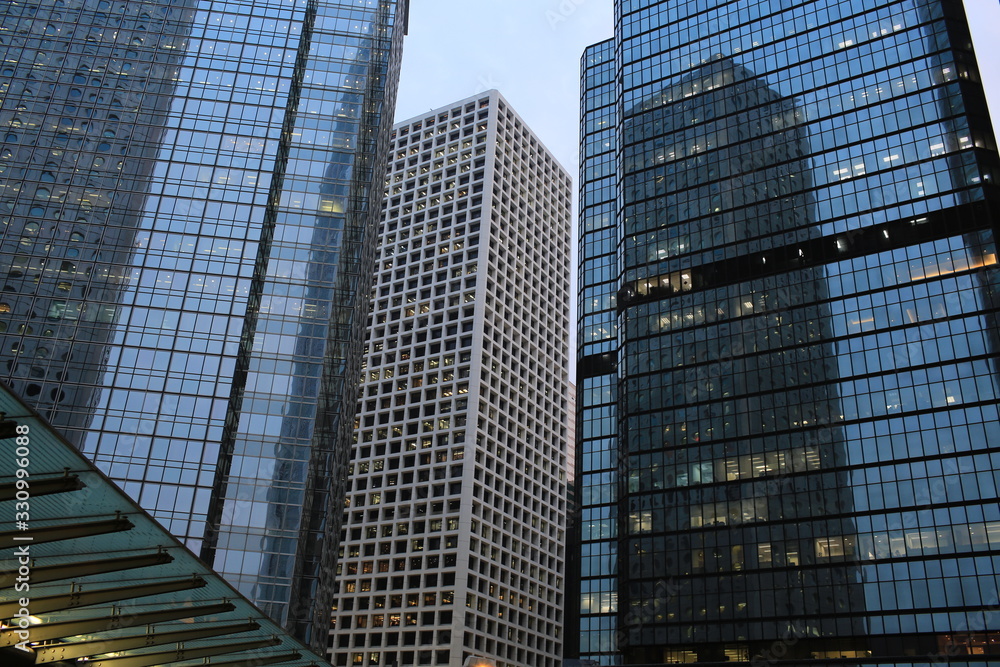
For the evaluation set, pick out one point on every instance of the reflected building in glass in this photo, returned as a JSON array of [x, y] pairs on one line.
[[190, 193], [804, 463]]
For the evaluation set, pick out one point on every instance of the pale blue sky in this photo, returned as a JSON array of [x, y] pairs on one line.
[[530, 50]]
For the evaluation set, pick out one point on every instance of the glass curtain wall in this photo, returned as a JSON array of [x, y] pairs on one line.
[[188, 236], [806, 347], [597, 456]]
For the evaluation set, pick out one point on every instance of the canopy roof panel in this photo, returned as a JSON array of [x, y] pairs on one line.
[[88, 577]]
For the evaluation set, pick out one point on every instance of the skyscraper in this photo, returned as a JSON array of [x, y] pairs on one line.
[[805, 272], [595, 534], [187, 193], [454, 532]]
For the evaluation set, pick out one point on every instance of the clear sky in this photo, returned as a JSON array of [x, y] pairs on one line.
[[530, 51]]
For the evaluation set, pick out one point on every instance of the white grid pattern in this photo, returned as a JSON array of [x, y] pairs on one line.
[[453, 542]]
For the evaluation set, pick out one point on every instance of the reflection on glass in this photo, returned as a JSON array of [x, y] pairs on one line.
[[185, 189], [84, 123], [736, 452]]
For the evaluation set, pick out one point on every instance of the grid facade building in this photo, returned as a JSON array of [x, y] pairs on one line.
[[806, 348], [189, 199], [453, 539]]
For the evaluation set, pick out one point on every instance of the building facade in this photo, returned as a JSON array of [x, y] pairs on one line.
[[453, 539], [190, 193], [596, 465], [101, 576], [806, 337]]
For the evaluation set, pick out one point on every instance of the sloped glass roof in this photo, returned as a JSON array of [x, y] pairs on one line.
[[88, 577]]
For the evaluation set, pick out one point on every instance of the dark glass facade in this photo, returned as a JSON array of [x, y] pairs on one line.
[[190, 197], [806, 346], [596, 475]]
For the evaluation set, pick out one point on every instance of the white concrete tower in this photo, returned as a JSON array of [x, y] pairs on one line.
[[453, 546]]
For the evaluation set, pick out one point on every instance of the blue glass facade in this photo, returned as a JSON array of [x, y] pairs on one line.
[[189, 230], [596, 474], [806, 346]]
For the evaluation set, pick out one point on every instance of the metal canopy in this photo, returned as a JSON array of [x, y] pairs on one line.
[[88, 577], [181, 653], [76, 598], [9, 540], [71, 650], [41, 574], [43, 487], [115, 621]]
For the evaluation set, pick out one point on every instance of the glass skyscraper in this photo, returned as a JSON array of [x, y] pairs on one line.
[[596, 389], [800, 201], [189, 197]]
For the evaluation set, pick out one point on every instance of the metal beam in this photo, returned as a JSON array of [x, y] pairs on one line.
[[15, 657], [40, 575], [88, 649], [76, 598], [14, 538], [256, 661], [43, 487], [8, 427], [116, 621], [151, 659]]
